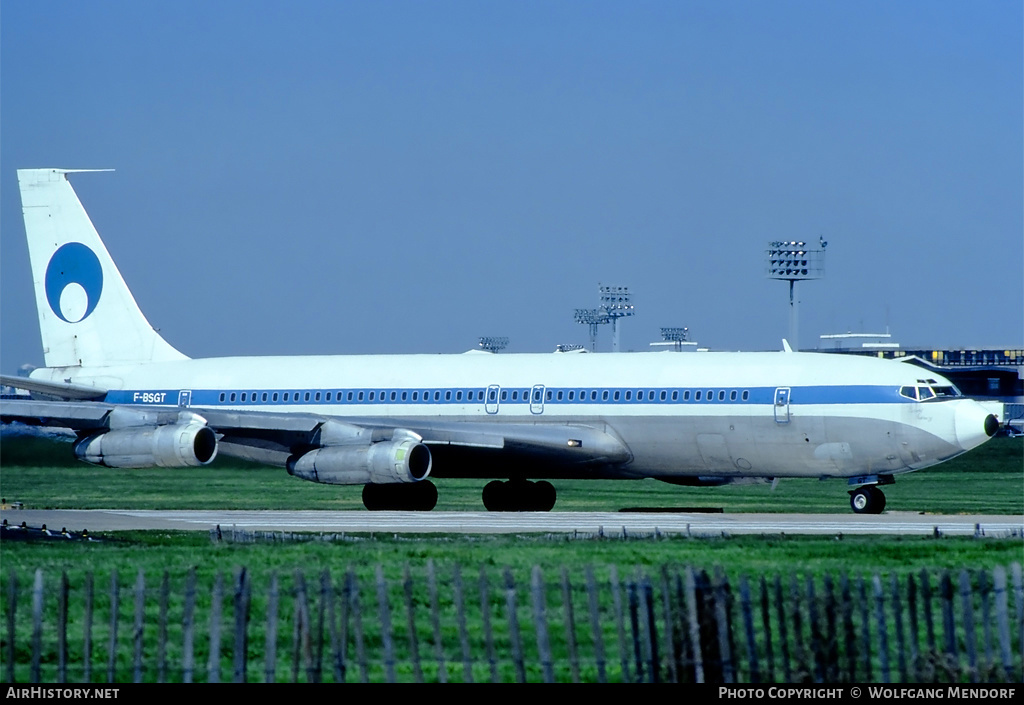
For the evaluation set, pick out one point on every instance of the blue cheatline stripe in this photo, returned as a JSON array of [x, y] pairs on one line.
[[522, 396]]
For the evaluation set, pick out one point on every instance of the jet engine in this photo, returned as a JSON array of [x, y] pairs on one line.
[[386, 462], [169, 446]]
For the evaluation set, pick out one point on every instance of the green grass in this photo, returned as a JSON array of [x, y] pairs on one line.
[[795, 561], [179, 551], [43, 475]]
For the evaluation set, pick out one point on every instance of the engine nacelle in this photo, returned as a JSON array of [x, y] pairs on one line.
[[387, 462], [169, 446]]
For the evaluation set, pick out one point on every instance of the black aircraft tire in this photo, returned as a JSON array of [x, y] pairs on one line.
[[867, 500], [494, 496], [544, 496]]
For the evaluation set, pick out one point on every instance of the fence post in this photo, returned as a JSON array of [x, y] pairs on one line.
[[301, 651], [748, 628], [62, 629], [865, 629], [140, 616], [780, 610], [540, 622], [986, 618], [651, 629], [12, 606], [384, 608], [485, 613], [948, 625], [813, 618], [883, 632], [1003, 620], [410, 613], [803, 669], [115, 597], [634, 630], [694, 619], [595, 625], [897, 615], [766, 626], [435, 618], [327, 587], [1018, 601], [619, 624], [460, 611], [188, 626], [161, 646], [270, 636], [570, 627], [915, 655], [213, 663], [357, 625], [849, 632], [37, 626], [970, 637], [242, 599], [722, 617], [513, 626]]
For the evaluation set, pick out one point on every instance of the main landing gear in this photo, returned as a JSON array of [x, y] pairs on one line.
[[867, 500], [412, 497], [519, 496]]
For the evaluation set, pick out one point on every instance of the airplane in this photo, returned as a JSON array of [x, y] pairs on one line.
[[393, 423]]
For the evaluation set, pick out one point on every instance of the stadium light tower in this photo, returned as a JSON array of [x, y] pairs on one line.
[[593, 318], [616, 303], [794, 261], [675, 335], [492, 343]]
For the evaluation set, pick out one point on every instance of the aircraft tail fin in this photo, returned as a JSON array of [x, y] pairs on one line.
[[87, 315]]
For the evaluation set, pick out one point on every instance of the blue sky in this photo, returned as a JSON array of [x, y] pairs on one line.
[[357, 177]]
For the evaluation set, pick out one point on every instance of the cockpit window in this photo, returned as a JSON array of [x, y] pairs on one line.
[[909, 392], [923, 392]]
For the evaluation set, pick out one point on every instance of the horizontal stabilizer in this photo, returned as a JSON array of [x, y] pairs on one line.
[[60, 390]]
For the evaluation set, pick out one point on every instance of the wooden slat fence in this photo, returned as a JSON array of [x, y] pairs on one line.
[[431, 623]]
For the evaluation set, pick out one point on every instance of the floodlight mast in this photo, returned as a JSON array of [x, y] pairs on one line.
[[675, 335], [616, 303], [492, 343], [794, 261], [593, 318]]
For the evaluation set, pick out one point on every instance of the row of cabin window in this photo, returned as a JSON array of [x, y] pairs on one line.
[[374, 396], [478, 395]]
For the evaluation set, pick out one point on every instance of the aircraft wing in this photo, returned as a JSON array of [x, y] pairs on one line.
[[273, 438]]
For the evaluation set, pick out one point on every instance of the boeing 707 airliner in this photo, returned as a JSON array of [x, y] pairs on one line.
[[394, 422]]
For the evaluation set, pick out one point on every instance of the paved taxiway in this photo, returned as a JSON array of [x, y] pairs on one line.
[[608, 523]]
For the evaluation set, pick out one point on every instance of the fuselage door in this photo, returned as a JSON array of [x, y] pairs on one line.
[[491, 403], [184, 398], [537, 399], [782, 405]]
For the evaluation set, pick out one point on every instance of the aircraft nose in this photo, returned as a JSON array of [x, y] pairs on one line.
[[974, 425]]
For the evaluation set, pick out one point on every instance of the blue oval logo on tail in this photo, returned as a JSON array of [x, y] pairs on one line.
[[74, 280]]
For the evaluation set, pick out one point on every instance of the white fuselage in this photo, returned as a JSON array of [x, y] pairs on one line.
[[680, 415]]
